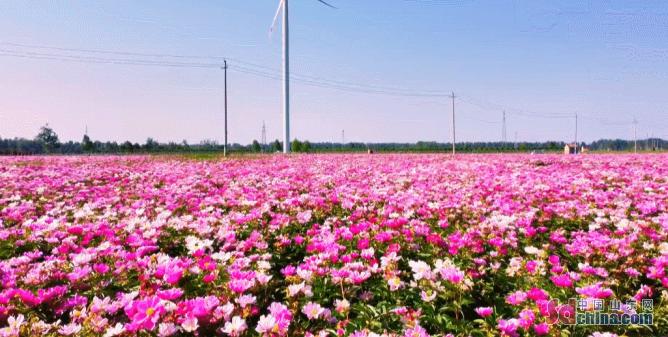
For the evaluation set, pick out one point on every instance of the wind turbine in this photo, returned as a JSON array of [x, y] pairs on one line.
[[283, 4]]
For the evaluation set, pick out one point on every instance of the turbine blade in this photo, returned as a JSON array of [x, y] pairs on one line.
[[326, 4], [275, 21]]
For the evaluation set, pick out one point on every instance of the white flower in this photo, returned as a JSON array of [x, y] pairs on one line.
[[295, 289], [265, 324], [235, 327], [427, 297], [70, 329], [166, 329], [394, 283], [190, 324], [421, 270], [15, 323], [114, 330], [531, 250], [342, 305]]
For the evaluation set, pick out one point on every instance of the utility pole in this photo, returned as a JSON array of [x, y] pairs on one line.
[[576, 133], [286, 80], [453, 123], [635, 135], [225, 145], [343, 137], [503, 130]]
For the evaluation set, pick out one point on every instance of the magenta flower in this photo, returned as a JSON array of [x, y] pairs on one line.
[[563, 281], [537, 294], [144, 314], [541, 329], [594, 291]]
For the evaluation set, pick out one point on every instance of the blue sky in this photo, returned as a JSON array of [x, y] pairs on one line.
[[540, 61]]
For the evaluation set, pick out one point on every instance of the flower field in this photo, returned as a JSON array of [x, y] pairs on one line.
[[331, 245]]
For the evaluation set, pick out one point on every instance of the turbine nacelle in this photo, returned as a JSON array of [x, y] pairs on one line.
[[280, 6]]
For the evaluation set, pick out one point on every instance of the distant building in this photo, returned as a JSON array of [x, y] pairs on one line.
[[572, 149]]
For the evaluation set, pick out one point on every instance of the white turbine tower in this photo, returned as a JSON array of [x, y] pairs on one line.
[[283, 4]]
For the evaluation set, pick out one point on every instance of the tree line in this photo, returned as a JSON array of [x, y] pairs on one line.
[[47, 142]]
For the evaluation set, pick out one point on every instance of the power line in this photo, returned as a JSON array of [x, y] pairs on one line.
[[82, 55], [242, 67]]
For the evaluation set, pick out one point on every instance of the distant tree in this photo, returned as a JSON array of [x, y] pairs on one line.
[[127, 147], [87, 145], [151, 144], [48, 138], [277, 146], [306, 146], [70, 147], [255, 147], [296, 146]]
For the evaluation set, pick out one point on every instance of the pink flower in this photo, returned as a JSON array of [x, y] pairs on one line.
[[276, 323], [245, 300], [416, 331], [484, 311], [509, 327], [170, 294], [527, 318], [452, 275], [341, 306], [312, 310], [304, 217], [516, 298]]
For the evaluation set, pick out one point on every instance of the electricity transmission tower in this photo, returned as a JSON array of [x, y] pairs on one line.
[[264, 137]]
